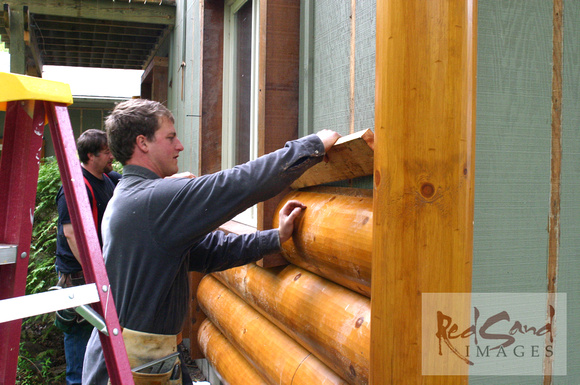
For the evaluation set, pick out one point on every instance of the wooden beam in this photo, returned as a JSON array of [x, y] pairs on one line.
[[151, 12], [277, 357], [17, 45], [225, 358], [423, 178], [211, 95], [32, 44], [154, 81], [330, 321], [333, 237], [278, 95], [155, 62], [555, 171], [350, 157]]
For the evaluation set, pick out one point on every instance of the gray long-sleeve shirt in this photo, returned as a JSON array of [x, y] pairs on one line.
[[156, 230]]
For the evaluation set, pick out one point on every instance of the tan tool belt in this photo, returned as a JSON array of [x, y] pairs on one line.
[[145, 348]]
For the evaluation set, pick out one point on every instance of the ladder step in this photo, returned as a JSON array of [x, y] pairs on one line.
[[8, 254], [50, 301]]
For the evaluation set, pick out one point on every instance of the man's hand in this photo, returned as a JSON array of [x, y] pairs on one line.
[[328, 138], [288, 214]]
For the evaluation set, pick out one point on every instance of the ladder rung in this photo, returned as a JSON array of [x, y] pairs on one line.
[[50, 301], [8, 254]]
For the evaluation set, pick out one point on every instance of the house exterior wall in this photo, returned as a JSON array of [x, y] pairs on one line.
[[184, 81], [330, 52], [513, 132], [513, 159]]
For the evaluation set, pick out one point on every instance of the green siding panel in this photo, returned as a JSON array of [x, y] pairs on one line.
[[185, 81], [331, 91], [512, 169], [365, 49], [513, 142], [513, 154]]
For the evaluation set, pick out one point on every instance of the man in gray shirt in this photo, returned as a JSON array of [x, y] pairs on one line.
[[156, 230]]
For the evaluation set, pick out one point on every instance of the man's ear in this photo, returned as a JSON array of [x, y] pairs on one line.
[[141, 143]]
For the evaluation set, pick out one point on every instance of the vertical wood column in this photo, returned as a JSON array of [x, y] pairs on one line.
[[278, 95], [423, 181], [17, 44]]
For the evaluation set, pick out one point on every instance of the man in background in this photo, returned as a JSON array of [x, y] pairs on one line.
[[96, 162]]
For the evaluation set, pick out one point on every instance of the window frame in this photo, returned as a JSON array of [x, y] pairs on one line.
[[229, 101]]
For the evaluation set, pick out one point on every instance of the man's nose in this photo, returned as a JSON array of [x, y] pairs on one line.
[[179, 146]]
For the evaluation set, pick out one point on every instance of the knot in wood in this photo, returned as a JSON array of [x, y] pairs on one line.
[[427, 190]]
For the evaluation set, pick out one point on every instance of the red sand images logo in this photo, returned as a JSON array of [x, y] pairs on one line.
[[493, 334], [446, 332]]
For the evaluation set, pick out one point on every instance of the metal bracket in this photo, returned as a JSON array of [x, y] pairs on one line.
[[8, 254]]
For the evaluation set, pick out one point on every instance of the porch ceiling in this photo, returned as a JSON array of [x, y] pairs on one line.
[[123, 34]]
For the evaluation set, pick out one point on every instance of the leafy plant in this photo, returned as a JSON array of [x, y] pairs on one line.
[[41, 273], [41, 359]]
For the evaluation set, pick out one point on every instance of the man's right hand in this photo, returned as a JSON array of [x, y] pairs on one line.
[[328, 138]]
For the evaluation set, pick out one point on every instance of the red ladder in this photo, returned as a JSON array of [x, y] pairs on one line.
[[19, 165]]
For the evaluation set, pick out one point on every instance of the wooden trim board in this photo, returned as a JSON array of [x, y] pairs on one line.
[[351, 157]]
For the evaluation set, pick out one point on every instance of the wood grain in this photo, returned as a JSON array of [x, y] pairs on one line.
[[328, 320], [233, 368], [276, 356], [423, 176], [350, 157], [555, 172], [333, 236]]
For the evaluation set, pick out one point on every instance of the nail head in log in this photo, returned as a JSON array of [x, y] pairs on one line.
[[333, 237], [276, 356]]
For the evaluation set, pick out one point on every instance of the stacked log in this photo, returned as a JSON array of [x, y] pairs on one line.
[[330, 321], [276, 356], [307, 322], [334, 236], [226, 359]]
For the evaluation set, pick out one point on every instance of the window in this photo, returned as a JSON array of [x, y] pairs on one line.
[[240, 97]]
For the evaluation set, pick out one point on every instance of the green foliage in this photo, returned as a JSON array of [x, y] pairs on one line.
[[41, 359], [41, 273], [41, 342], [117, 166]]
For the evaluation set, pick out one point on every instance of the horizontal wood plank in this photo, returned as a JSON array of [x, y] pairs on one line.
[[350, 157]]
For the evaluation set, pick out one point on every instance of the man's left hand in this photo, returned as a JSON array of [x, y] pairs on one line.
[[288, 215]]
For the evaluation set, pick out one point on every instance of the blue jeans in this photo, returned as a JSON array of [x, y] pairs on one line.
[[75, 343]]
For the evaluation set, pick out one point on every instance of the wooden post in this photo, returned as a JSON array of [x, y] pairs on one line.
[[424, 176], [17, 45]]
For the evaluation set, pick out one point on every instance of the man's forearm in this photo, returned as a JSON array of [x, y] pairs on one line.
[[69, 233]]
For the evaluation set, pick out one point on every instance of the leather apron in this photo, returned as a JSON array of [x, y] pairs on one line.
[[143, 348]]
